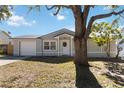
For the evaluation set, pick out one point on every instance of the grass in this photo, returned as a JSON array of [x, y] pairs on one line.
[[51, 72], [1, 55]]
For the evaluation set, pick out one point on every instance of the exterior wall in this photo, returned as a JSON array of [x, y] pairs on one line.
[[42, 52], [113, 49], [39, 47], [50, 52], [99, 51], [73, 51], [93, 49], [16, 47], [122, 52]]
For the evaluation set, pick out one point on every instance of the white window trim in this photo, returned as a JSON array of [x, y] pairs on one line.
[[50, 43]]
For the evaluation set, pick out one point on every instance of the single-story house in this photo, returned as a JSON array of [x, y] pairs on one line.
[[4, 41], [57, 43]]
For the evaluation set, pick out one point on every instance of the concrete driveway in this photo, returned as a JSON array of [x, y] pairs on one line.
[[10, 59]]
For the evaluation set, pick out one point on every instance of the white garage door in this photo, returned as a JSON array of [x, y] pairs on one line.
[[28, 48]]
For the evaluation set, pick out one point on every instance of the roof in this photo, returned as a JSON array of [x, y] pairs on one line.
[[50, 35], [26, 37], [57, 33], [5, 33]]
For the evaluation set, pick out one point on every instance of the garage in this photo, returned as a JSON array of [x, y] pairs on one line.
[[27, 47]]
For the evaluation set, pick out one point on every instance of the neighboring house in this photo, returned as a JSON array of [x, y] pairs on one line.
[[57, 43], [4, 40]]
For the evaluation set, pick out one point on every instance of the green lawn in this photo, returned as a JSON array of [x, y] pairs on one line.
[[52, 72]]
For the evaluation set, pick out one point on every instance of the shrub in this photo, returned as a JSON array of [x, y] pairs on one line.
[[1, 51]]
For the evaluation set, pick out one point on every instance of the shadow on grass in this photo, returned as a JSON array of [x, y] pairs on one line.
[[116, 72], [7, 57], [114, 60], [53, 60], [116, 79], [85, 78]]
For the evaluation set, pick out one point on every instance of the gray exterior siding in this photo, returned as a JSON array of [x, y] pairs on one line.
[[93, 49], [16, 47], [42, 52], [39, 47], [64, 34], [50, 53]]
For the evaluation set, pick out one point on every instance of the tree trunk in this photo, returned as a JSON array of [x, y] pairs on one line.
[[118, 51], [80, 41], [108, 49], [81, 52]]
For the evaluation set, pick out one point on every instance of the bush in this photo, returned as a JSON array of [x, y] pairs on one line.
[[1, 51]]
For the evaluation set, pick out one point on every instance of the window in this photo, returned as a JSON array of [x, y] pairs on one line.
[[53, 45], [46, 45], [50, 45]]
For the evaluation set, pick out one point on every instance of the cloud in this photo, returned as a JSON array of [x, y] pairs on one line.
[[60, 17], [17, 20]]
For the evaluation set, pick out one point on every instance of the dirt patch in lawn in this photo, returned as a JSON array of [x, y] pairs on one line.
[[52, 72]]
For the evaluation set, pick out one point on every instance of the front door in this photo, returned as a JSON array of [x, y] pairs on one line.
[[65, 47]]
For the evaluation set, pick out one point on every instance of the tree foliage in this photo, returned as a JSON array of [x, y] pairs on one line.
[[83, 12], [5, 12], [104, 33]]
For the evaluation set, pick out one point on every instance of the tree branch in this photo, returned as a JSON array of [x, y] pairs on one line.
[[94, 18], [121, 16], [49, 8], [85, 14], [58, 7], [57, 11]]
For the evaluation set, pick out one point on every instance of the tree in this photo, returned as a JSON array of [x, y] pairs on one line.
[[83, 24], [104, 33], [5, 12], [83, 27]]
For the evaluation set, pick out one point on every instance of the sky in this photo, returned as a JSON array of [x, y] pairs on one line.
[[43, 22]]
